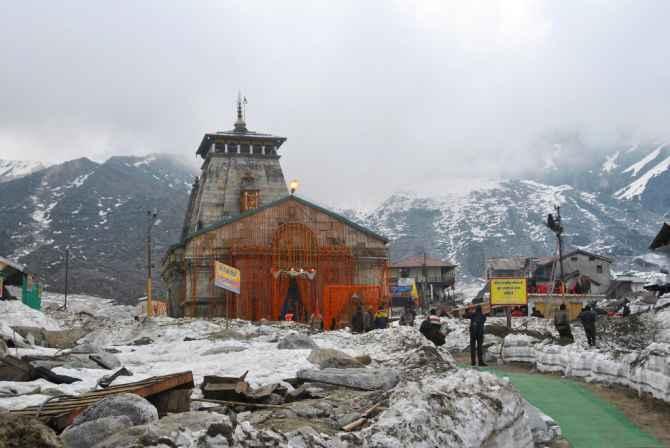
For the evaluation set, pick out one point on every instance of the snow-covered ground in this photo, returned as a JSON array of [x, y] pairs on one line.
[[645, 370], [419, 407]]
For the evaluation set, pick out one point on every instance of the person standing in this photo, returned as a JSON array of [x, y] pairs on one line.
[[407, 318], [381, 318], [562, 323], [368, 320], [588, 319], [358, 320], [477, 321]]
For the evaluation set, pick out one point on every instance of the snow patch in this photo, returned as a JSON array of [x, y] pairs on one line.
[[636, 167], [638, 187]]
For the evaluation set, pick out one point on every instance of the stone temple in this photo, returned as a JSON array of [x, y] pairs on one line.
[[294, 256]]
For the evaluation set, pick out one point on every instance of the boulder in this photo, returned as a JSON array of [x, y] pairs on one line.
[[544, 429], [145, 340], [65, 338], [363, 359], [21, 432], [356, 378], [35, 335], [89, 433], [106, 360], [136, 408], [86, 349], [329, 357], [179, 429], [297, 342]]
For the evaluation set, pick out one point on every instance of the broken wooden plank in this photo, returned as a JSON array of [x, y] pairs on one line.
[[60, 414]]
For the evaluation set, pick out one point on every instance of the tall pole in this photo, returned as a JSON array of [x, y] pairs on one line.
[[67, 274], [559, 234], [151, 220], [425, 281]]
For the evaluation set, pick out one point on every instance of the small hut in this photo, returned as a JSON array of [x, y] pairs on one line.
[[16, 275]]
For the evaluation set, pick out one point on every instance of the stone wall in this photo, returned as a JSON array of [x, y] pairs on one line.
[[225, 176]]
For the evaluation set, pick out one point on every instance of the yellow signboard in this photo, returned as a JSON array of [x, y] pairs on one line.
[[227, 277], [509, 291]]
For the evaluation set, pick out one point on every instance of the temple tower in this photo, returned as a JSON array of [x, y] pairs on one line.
[[240, 172]]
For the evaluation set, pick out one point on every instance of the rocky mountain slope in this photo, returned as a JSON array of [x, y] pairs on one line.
[[99, 212], [507, 218], [612, 203], [14, 169], [637, 173]]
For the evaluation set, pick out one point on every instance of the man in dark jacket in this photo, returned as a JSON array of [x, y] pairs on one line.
[[407, 318], [562, 323], [477, 321], [431, 328], [588, 318], [358, 320]]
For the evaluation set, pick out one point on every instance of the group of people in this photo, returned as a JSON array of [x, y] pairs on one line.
[[363, 321], [587, 317], [431, 328]]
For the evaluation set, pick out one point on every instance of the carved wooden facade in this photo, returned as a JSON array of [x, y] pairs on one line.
[[290, 246]]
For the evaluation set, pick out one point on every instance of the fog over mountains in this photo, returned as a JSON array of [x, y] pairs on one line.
[[612, 204]]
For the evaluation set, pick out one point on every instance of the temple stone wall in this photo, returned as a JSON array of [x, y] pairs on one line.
[[224, 177]]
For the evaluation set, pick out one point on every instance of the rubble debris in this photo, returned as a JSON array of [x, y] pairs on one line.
[[36, 335], [87, 434], [107, 380], [225, 387], [543, 428], [299, 393], [71, 361], [106, 360], [61, 413], [187, 429], [328, 357], [360, 421], [363, 359], [145, 340], [17, 369], [20, 432], [355, 378], [64, 339], [297, 342], [47, 374], [85, 349], [51, 338], [138, 409]]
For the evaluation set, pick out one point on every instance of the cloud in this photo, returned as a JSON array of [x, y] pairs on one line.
[[373, 96]]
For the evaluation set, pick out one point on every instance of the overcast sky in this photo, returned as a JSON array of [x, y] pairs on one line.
[[373, 96]]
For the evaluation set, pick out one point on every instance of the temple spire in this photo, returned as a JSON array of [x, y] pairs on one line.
[[240, 124]]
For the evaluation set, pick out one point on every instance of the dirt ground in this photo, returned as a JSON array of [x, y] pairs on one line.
[[648, 413]]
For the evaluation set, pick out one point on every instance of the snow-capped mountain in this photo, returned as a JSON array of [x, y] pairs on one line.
[[611, 204], [637, 173], [14, 169], [507, 218], [99, 212]]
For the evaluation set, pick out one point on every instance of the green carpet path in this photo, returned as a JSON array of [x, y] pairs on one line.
[[586, 420]]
